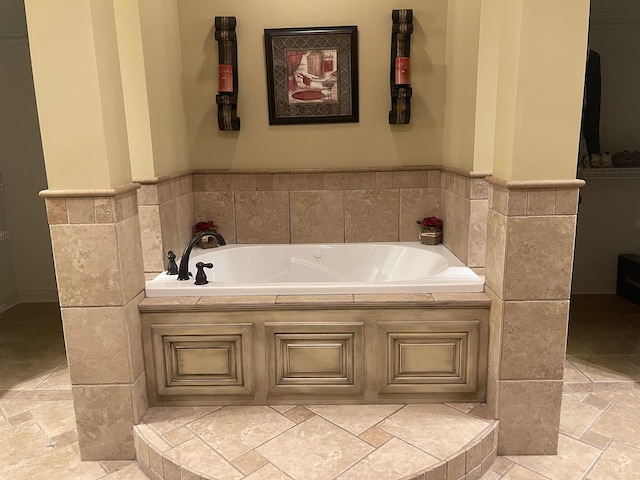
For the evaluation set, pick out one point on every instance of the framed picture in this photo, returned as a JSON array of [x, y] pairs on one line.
[[312, 74]]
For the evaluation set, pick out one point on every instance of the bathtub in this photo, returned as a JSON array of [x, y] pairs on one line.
[[307, 269]]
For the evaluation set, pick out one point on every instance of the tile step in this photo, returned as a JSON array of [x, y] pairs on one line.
[[344, 442]]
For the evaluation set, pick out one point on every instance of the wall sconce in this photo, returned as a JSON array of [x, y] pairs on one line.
[[401, 92], [227, 97]]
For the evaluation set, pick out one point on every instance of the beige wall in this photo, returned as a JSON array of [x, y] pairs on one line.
[[149, 46], [75, 65], [487, 85], [463, 30], [534, 141], [369, 143]]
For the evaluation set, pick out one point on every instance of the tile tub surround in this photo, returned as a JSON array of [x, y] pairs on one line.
[[385, 442], [97, 252], [317, 206], [314, 206], [165, 207], [463, 207], [530, 238]]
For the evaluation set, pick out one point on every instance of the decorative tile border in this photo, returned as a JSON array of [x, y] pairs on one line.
[[74, 207], [158, 191], [369, 180], [532, 202]]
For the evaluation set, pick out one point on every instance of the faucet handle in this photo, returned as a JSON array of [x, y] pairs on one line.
[[201, 277], [172, 267]]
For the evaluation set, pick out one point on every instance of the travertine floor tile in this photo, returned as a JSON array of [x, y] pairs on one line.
[[448, 428], [572, 374], [178, 436], [232, 433], [625, 399], [521, 473], [201, 457], [574, 349], [62, 463], [129, 473], [394, 460], [299, 414], [163, 420], [607, 368], [572, 462], [314, 449], [268, 472], [250, 462], [595, 439], [55, 417], [22, 442], [577, 417], [26, 377], [375, 436], [355, 418], [619, 462], [58, 380], [620, 423], [616, 344], [13, 407], [463, 407], [111, 466]]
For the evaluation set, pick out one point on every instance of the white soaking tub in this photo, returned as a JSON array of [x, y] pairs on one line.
[[336, 268]]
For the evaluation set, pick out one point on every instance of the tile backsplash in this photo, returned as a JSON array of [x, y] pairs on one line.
[[317, 207], [314, 207]]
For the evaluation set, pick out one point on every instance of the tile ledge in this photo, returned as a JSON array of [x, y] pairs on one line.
[[252, 302], [98, 192], [534, 184]]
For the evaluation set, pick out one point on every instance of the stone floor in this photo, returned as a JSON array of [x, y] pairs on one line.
[[345, 442], [600, 422]]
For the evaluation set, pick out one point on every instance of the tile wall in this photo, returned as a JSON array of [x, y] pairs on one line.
[[529, 255], [316, 207], [367, 206], [166, 219], [464, 213], [97, 252]]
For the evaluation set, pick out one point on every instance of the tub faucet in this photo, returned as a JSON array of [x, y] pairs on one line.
[[183, 271]]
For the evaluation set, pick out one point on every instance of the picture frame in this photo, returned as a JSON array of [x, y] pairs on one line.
[[312, 74]]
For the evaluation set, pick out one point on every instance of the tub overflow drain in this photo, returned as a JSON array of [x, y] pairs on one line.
[[317, 253]]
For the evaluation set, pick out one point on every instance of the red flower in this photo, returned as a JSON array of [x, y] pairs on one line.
[[430, 222], [204, 226]]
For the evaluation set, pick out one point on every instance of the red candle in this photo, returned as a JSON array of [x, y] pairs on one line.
[[225, 78], [403, 72]]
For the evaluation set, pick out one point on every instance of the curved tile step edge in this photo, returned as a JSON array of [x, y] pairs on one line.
[[469, 463]]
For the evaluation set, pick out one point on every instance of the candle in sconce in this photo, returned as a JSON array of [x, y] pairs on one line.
[[403, 71], [225, 78]]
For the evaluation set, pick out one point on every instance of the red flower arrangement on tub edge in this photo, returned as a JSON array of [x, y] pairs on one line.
[[430, 230], [207, 241]]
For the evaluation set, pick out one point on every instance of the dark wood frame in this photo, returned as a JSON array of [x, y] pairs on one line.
[[343, 39]]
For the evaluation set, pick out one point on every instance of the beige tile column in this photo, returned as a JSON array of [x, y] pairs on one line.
[[93, 216], [530, 239], [98, 258], [532, 209]]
